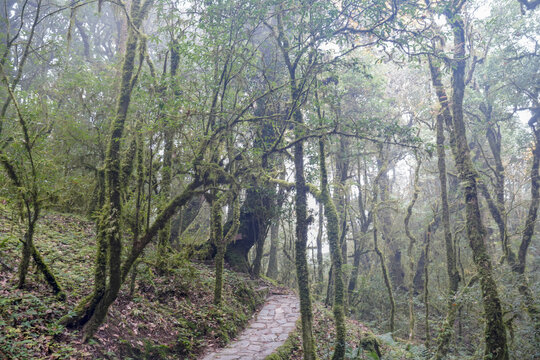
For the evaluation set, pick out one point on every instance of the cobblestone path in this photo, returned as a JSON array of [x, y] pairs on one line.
[[265, 333]]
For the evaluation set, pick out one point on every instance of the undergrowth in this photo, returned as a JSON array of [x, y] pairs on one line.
[[362, 344], [168, 316]]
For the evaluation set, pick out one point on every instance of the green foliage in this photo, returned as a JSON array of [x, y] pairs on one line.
[[29, 327], [230, 91], [20, 315]]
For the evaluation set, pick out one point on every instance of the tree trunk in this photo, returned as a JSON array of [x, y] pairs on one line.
[[260, 207], [249, 232], [395, 266], [185, 218], [495, 334], [259, 252], [495, 143], [92, 311], [220, 240], [386, 277], [519, 266], [358, 246], [365, 222], [302, 224], [272, 270], [332, 227], [302, 221], [342, 174], [320, 270], [111, 222], [426, 284], [47, 273], [166, 169], [410, 249], [25, 261], [445, 335], [382, 163]]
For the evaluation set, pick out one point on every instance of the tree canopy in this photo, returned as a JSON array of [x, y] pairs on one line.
[[379, 156]]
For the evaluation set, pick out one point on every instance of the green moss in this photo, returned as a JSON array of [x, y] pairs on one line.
[[269, 280], [333, 233], [289, 346], [371, 344]]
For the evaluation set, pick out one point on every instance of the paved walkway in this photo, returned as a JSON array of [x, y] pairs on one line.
[[265, 334]]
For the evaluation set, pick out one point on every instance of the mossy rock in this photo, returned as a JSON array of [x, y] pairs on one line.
[[370, 343]]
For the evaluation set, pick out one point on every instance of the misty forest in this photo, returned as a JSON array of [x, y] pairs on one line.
[[269, 179]]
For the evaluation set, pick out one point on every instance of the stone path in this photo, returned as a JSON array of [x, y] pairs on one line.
[[264, 334]]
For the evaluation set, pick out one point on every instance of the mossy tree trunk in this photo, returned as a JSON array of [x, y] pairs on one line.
[[495, 333], [342, 174], [517, 262], [29, 251], [259, 250], [272, 270], [110, 226], [220, 240], [26, 248], [301, 244], [262, 204], [357, 253], [493, 135], [332, 227], [108, 273], [496, 344], [359, 234], [255, 217], [445, 335], [410, 248], [393, 253], [427, 243], [386, 277], [320, 270], [216, 237], [166, 168], [383, 166], [301, 188], [445, 116], [165, 186], [137, 223], [518, 266], [237, 252], [258, 210]]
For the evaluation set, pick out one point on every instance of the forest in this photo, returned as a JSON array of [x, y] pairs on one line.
[[269, 179]]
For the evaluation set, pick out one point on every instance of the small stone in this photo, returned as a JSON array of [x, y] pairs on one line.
[[254, 348]]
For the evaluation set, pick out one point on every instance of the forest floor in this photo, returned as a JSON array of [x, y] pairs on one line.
[[169, 316]]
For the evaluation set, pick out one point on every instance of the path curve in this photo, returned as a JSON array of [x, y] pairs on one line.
[[265, 333]]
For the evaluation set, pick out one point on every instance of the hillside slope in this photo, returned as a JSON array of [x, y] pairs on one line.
[[170, 316]]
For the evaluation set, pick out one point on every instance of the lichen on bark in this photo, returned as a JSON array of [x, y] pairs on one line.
[[333, 233]]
